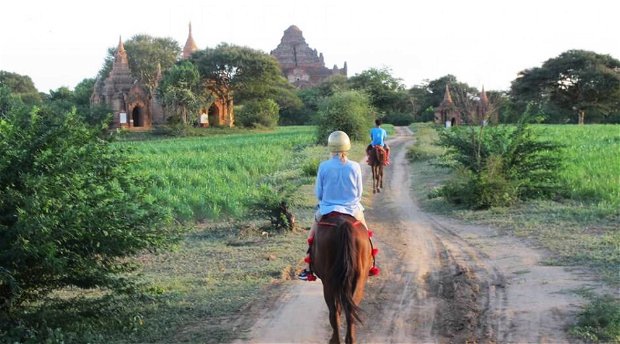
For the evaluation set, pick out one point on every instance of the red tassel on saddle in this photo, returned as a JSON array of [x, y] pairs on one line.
[[311, 277], [310, 240], [375, 251], [370, 233], [308, 259], [374, 271]]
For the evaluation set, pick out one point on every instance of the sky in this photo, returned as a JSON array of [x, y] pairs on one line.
[[482, 42]]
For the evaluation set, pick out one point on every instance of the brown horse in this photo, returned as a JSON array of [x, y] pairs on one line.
[[377, 157], [342, 257]]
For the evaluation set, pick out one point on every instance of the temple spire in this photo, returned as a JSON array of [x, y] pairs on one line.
[[447, 98], [483, 97], [190, 44], [121, 54]]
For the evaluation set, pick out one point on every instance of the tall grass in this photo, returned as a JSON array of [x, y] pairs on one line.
[[213, 176], [592, 156]]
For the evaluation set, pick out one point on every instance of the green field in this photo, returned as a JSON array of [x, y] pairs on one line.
[[592, 154], [213, 176]]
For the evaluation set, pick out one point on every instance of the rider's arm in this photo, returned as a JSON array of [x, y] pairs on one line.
[[318, 189], [358, 181]]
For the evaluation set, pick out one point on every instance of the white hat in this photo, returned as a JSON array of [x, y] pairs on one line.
[[338, 141]]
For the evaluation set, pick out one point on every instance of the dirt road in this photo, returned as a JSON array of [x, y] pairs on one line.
[[441, 281]]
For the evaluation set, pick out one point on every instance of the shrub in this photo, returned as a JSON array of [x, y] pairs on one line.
[[311, 166], [274, 206], [505, 164], [599, 321], [349, 111], [258, 113], [70, 209]]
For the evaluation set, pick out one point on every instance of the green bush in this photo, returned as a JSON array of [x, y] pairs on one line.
[[505, 163], [70, 209], [599, 321], [349, 111], [258, 113]]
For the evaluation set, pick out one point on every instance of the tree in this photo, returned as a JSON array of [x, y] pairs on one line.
[[349, 111], [258, 113], [95, 115], [147, 56], [71, 208], [311, 98], [180, 91], [387, 93], [83, 91], [21, 86], [239, 72], [431, 94], [8, 102], [575, 82]]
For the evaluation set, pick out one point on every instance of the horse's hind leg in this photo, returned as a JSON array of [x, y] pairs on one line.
[[374, 188], [334, 320], [350, 335]]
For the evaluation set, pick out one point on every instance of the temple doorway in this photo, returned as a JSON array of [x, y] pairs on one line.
[[138, 116], [214, 115]]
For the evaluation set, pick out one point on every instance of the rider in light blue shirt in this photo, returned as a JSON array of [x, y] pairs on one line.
[[338, 186]]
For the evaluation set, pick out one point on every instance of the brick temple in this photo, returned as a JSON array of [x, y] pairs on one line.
[[302, 65], [135, 109]]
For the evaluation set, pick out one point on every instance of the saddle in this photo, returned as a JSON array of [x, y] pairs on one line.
[[376, 155], [330, 219]]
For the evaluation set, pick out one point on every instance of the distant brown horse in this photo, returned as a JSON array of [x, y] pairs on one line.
[[377, 157], [341, 256]]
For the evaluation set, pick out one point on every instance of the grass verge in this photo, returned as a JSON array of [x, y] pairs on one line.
[[576, 232]]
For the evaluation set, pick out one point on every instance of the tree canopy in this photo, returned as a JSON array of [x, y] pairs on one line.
[[147, 55], [387, 93], [181, 91], [247, 73], [567, 87], [21, 86]]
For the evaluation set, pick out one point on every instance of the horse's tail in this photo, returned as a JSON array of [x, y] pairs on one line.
[[345, 272]]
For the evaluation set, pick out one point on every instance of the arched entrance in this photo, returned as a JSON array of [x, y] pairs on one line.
[[214, 115], [138, 116], [453, 121]]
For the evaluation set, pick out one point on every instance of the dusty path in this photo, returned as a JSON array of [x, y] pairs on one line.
[[441, 282]]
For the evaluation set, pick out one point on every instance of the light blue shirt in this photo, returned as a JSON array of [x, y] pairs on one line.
[[378, 136], [339, 186]]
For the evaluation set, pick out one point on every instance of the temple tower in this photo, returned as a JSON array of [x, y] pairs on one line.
[[300, 64], [447, 113], [190, 44]]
